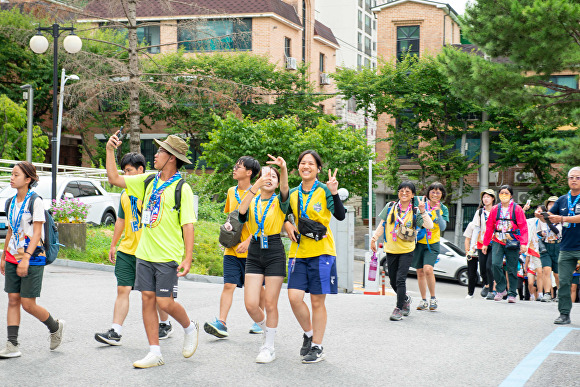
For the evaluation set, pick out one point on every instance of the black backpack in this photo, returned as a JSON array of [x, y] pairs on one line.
[[50, 242], [497, 217], [230, 238]]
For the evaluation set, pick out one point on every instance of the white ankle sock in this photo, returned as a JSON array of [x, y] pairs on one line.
[[270, 336], [117, 328], [309, 333], [155, 349], [262, 325], [316, 345], [190, 329], [164, 322]]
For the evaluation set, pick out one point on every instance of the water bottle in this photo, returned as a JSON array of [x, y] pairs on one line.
[[373, 268]]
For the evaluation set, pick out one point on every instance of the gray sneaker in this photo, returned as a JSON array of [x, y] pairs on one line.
[[56, 337], [423, 305], [11, 350], [396, 315], [407, 305], [547, 297]]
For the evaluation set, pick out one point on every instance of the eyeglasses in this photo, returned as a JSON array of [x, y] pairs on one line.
[[161, 150], [238, 166], [573, 177], [438, 193]]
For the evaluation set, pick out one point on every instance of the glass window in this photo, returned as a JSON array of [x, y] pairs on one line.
[[407, 41], [368, 25], [563, 80], [359, 41], [359, 61], [360, 3], [215, 35], [287, 47], [360, 20], [87, 188], [404, 149], [321, 63], [73, 189], [368, 46], [149, 36], [367, 63]]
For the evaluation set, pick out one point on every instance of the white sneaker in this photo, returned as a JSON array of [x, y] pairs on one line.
[[56, 337], [468, 297], [11, 350], [151, 360], [266, 355], [190, 341]]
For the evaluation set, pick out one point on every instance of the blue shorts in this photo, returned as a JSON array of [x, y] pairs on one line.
[[234, 270], [315, 275]]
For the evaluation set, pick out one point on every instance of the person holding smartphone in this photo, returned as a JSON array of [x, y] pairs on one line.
[[551, 237], [264, 212]]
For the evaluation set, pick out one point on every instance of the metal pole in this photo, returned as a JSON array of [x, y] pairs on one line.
[[459, 211], [370, 200], [29, 125], [61, 98], [55, 32], [484, 169]]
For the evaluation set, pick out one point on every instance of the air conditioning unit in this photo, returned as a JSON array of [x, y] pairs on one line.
[[492, 177], [523, 197], [291, 63], [324, 79], [524, 177]]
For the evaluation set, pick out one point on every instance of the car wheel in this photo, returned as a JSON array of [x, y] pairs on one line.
[[108, 219], [462, 277]]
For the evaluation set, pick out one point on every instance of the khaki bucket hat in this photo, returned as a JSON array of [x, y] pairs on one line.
[[488, 191], [175, 146], [550, 199]]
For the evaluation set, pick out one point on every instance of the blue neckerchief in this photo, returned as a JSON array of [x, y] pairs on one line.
[[238, 199], [134, 209], [259, 222], [154, 202], [571, 205], [303, 210], [15, 223]]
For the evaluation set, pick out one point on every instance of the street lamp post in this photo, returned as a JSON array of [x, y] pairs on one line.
[[29, 94], [39, 44], [63, 79]]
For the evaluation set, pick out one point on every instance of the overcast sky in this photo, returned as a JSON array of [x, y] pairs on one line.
[[458, 5]]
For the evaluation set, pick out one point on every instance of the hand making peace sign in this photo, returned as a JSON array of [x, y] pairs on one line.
[[332, 183]]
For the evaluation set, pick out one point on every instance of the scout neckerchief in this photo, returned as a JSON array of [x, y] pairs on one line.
[[15, 222], [238, 199], [154, 203], [260, 223], [399, 220], [571, 207], [303, 210], [429, 209], [134, 214]]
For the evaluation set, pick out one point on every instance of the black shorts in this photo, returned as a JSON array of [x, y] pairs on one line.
[[268, 262]]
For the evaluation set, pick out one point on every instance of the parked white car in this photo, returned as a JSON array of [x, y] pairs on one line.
[[103, 205], [452, 263]]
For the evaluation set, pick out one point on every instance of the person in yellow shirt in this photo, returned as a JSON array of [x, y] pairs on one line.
[[123, 258], [399, 218], [264, 212], [312, 263], [234, 264]]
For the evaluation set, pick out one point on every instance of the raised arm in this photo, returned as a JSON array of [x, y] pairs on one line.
[[281, 163], [111, 165]]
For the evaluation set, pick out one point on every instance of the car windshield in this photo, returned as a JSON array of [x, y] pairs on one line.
[[456, 249]]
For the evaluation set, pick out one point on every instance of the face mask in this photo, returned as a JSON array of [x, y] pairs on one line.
[[505, 198]]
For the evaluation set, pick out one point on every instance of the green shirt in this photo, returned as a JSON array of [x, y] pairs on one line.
[[162, 241]]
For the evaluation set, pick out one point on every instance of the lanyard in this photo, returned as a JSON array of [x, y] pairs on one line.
[[15, 223], [155, 197], [238, 199], [259, 222], [571, 205], [303, 210], [134, 209], [399, 220]]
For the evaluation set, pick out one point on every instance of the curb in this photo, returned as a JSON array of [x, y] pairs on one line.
[[102, 267]]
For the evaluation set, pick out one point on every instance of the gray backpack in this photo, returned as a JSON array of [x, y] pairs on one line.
[[231, 230]]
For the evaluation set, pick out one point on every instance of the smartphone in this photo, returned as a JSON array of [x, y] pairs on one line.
[[528, 202], [265, 171], [297, 235], [120, 134]]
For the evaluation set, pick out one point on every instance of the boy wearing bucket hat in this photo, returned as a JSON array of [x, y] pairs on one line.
[[165, 251], [549, 258]]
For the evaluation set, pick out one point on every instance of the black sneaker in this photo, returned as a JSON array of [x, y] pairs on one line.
[[110, 337], [314, 355], [563, 319], [407, 305], [306, 344], [396, 315], [165, 330], [484, 292]]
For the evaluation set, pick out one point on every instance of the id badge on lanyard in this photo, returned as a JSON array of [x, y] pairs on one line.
[[135, 226], [264, 241], [146, 218]]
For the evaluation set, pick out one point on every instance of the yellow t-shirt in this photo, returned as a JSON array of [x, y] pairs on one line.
[[399, 246], [274, 217], [130, 240], [231, 205], [435, 231], [320, 209]]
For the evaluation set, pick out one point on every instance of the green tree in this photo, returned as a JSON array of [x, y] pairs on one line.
[[429, 119], [13, 133], [345, 149]]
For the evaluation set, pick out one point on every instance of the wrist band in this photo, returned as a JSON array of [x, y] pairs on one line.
[[253, 193], [26, 252]]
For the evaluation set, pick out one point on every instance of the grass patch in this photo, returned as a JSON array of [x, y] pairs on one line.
[[207, 252]]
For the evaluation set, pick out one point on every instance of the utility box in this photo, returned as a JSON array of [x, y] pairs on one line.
[[343, 233]]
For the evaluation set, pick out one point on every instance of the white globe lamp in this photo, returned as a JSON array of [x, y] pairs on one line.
[[39, 44], [72, 44]]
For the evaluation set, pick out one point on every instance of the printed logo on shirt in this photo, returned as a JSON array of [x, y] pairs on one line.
[[577, 209], [317, 207]]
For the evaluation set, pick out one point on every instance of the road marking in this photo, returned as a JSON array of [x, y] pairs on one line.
[[520, 375]]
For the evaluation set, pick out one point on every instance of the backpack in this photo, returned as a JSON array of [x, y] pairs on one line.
[[231, 230], [513, 218], [50, 243], [178, 189]]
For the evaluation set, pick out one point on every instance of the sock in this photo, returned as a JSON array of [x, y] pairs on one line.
[[432, 297], [51, 324], [13, 334], [165, 322], [262, 324], [117, 328], [155, 349], [270, 336], [190, 329], [316, 345], [540, 294], [309, 333], [424, 299]]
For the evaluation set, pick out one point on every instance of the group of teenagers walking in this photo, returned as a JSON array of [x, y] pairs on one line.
[[156, 228]]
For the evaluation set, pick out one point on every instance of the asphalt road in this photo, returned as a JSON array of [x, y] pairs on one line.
[[465, 343]]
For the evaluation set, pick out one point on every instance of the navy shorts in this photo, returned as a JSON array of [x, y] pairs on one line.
[[315, 275], [234, 270]]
